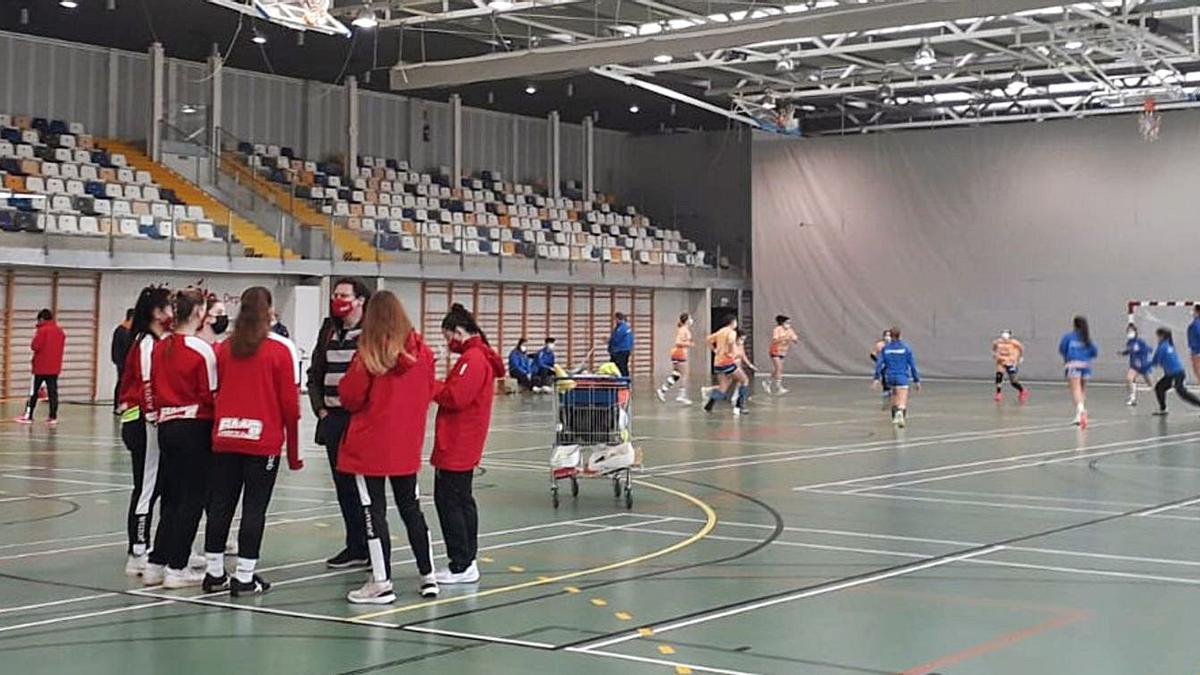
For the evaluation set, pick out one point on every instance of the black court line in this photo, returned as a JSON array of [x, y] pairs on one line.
[[776, 532], [582, 644]]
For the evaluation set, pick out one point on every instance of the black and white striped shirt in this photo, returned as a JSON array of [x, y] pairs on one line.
[[331, 359]]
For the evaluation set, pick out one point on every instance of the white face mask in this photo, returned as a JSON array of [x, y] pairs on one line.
[[1006, 335], [1130, 335]]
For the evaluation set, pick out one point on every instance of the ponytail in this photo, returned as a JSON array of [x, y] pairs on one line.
[[459, 317], [149, 299], [1081, 327]]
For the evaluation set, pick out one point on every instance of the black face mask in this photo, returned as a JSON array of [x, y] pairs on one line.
[[220, 324]]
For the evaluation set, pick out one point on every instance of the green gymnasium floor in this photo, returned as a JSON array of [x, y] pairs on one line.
[[809, 537]]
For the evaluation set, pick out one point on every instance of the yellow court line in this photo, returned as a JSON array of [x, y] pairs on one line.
[[710, 522]]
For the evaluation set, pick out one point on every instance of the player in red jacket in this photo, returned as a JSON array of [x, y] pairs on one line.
[[256, 413], [183, 377], [47, 346], [387, 391], [464, 413], [152, 317]]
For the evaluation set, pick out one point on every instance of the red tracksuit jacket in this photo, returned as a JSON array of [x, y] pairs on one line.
[[135, 381], [47, 346], [258, 408], [465, 407], [183, 377], [388, 414]]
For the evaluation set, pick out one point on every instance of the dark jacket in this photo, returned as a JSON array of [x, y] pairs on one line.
[[122, 340]]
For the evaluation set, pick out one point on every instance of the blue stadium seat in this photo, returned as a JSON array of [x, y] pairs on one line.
[[285, 151], [84, 205], [21, 203], [101, 157], [245, 148], [10, 134], [41, 124], [393, 164], [59, 127], [94, 188], [168, 195], [12, 166], [28, 221], [8, 222], [409, 214]]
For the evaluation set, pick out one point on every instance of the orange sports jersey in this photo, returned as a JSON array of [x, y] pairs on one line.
[[782, 338], [683, 341], [1007, 352], [724, 343]]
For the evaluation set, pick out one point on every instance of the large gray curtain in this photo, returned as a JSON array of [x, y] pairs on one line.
[[956, 234]]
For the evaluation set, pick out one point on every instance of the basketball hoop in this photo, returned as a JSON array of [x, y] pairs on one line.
[[1149, 120]]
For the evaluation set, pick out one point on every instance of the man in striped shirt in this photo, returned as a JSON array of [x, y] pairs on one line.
[[336, 344]]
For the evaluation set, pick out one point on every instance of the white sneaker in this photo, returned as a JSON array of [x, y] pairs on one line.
[[467, 576], [781, 391], [737, 412], [373, 593], [684, 400], [898, 418], [429, 586], [662, 396], [197, 561], [1131, 401], [135, 565], [153, 575], [184, 578], [767, 386]]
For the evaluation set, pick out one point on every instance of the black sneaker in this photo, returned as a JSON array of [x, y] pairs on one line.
[[213, 584], [708, 405], [347, 560], [1159, 413], [256, 586]]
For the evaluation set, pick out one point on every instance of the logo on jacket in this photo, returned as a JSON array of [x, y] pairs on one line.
[[240, 427]]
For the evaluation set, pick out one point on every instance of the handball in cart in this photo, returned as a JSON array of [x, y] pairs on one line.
[[593, 432]]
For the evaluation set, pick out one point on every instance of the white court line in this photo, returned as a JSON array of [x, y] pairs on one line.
[[862, 445], [34, 554], [1036, 498], [56, 603], [1086, 571], [735, 462], [68, 480], [259, 609], [475, 636], [984, 462], [812, 592], [205, 598], [1169, 507], [79, 617], [951, 542], [59, 495], [659, 662], [1143, 445]]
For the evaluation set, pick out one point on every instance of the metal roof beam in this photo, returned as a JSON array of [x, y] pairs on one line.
[[562, 58]]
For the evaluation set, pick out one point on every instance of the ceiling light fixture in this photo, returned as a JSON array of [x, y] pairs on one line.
[[814, 76], [769, 101], [365, 19], [925, 56], [69, 4], [1073, 44], [188, 109], [664, 58], [259, 38], [500, 5], [634, 109], [530, 89], [886, 93], [784, 63]]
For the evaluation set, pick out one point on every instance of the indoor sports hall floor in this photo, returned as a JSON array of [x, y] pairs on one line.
[[809, 537]]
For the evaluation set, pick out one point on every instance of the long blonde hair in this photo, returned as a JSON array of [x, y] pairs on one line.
[[385, 331]]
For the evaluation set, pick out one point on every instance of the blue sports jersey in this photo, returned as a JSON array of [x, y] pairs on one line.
[[1167, 358], [1075, 351], [897, 358], [1139, 354]]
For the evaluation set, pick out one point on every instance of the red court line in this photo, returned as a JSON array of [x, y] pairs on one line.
[[996, 643]]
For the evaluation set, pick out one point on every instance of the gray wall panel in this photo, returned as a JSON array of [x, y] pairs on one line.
[[48, 78], [571, 160], [958, 234]]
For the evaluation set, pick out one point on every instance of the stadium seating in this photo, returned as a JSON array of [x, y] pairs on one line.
[[395, 208], [64, 183]]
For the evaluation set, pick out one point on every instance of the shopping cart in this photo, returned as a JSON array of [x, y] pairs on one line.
[[593, 434]]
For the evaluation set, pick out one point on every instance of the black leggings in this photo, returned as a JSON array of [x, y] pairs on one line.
[[458, 516], [186, 449], [143, 452], [331, 431], [523, 380], [1012, 378], [234, 476], [51, 382], [1173, 381], [372, 491]]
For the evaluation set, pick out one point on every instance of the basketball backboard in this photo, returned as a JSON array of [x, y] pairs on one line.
[[302, 15]]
